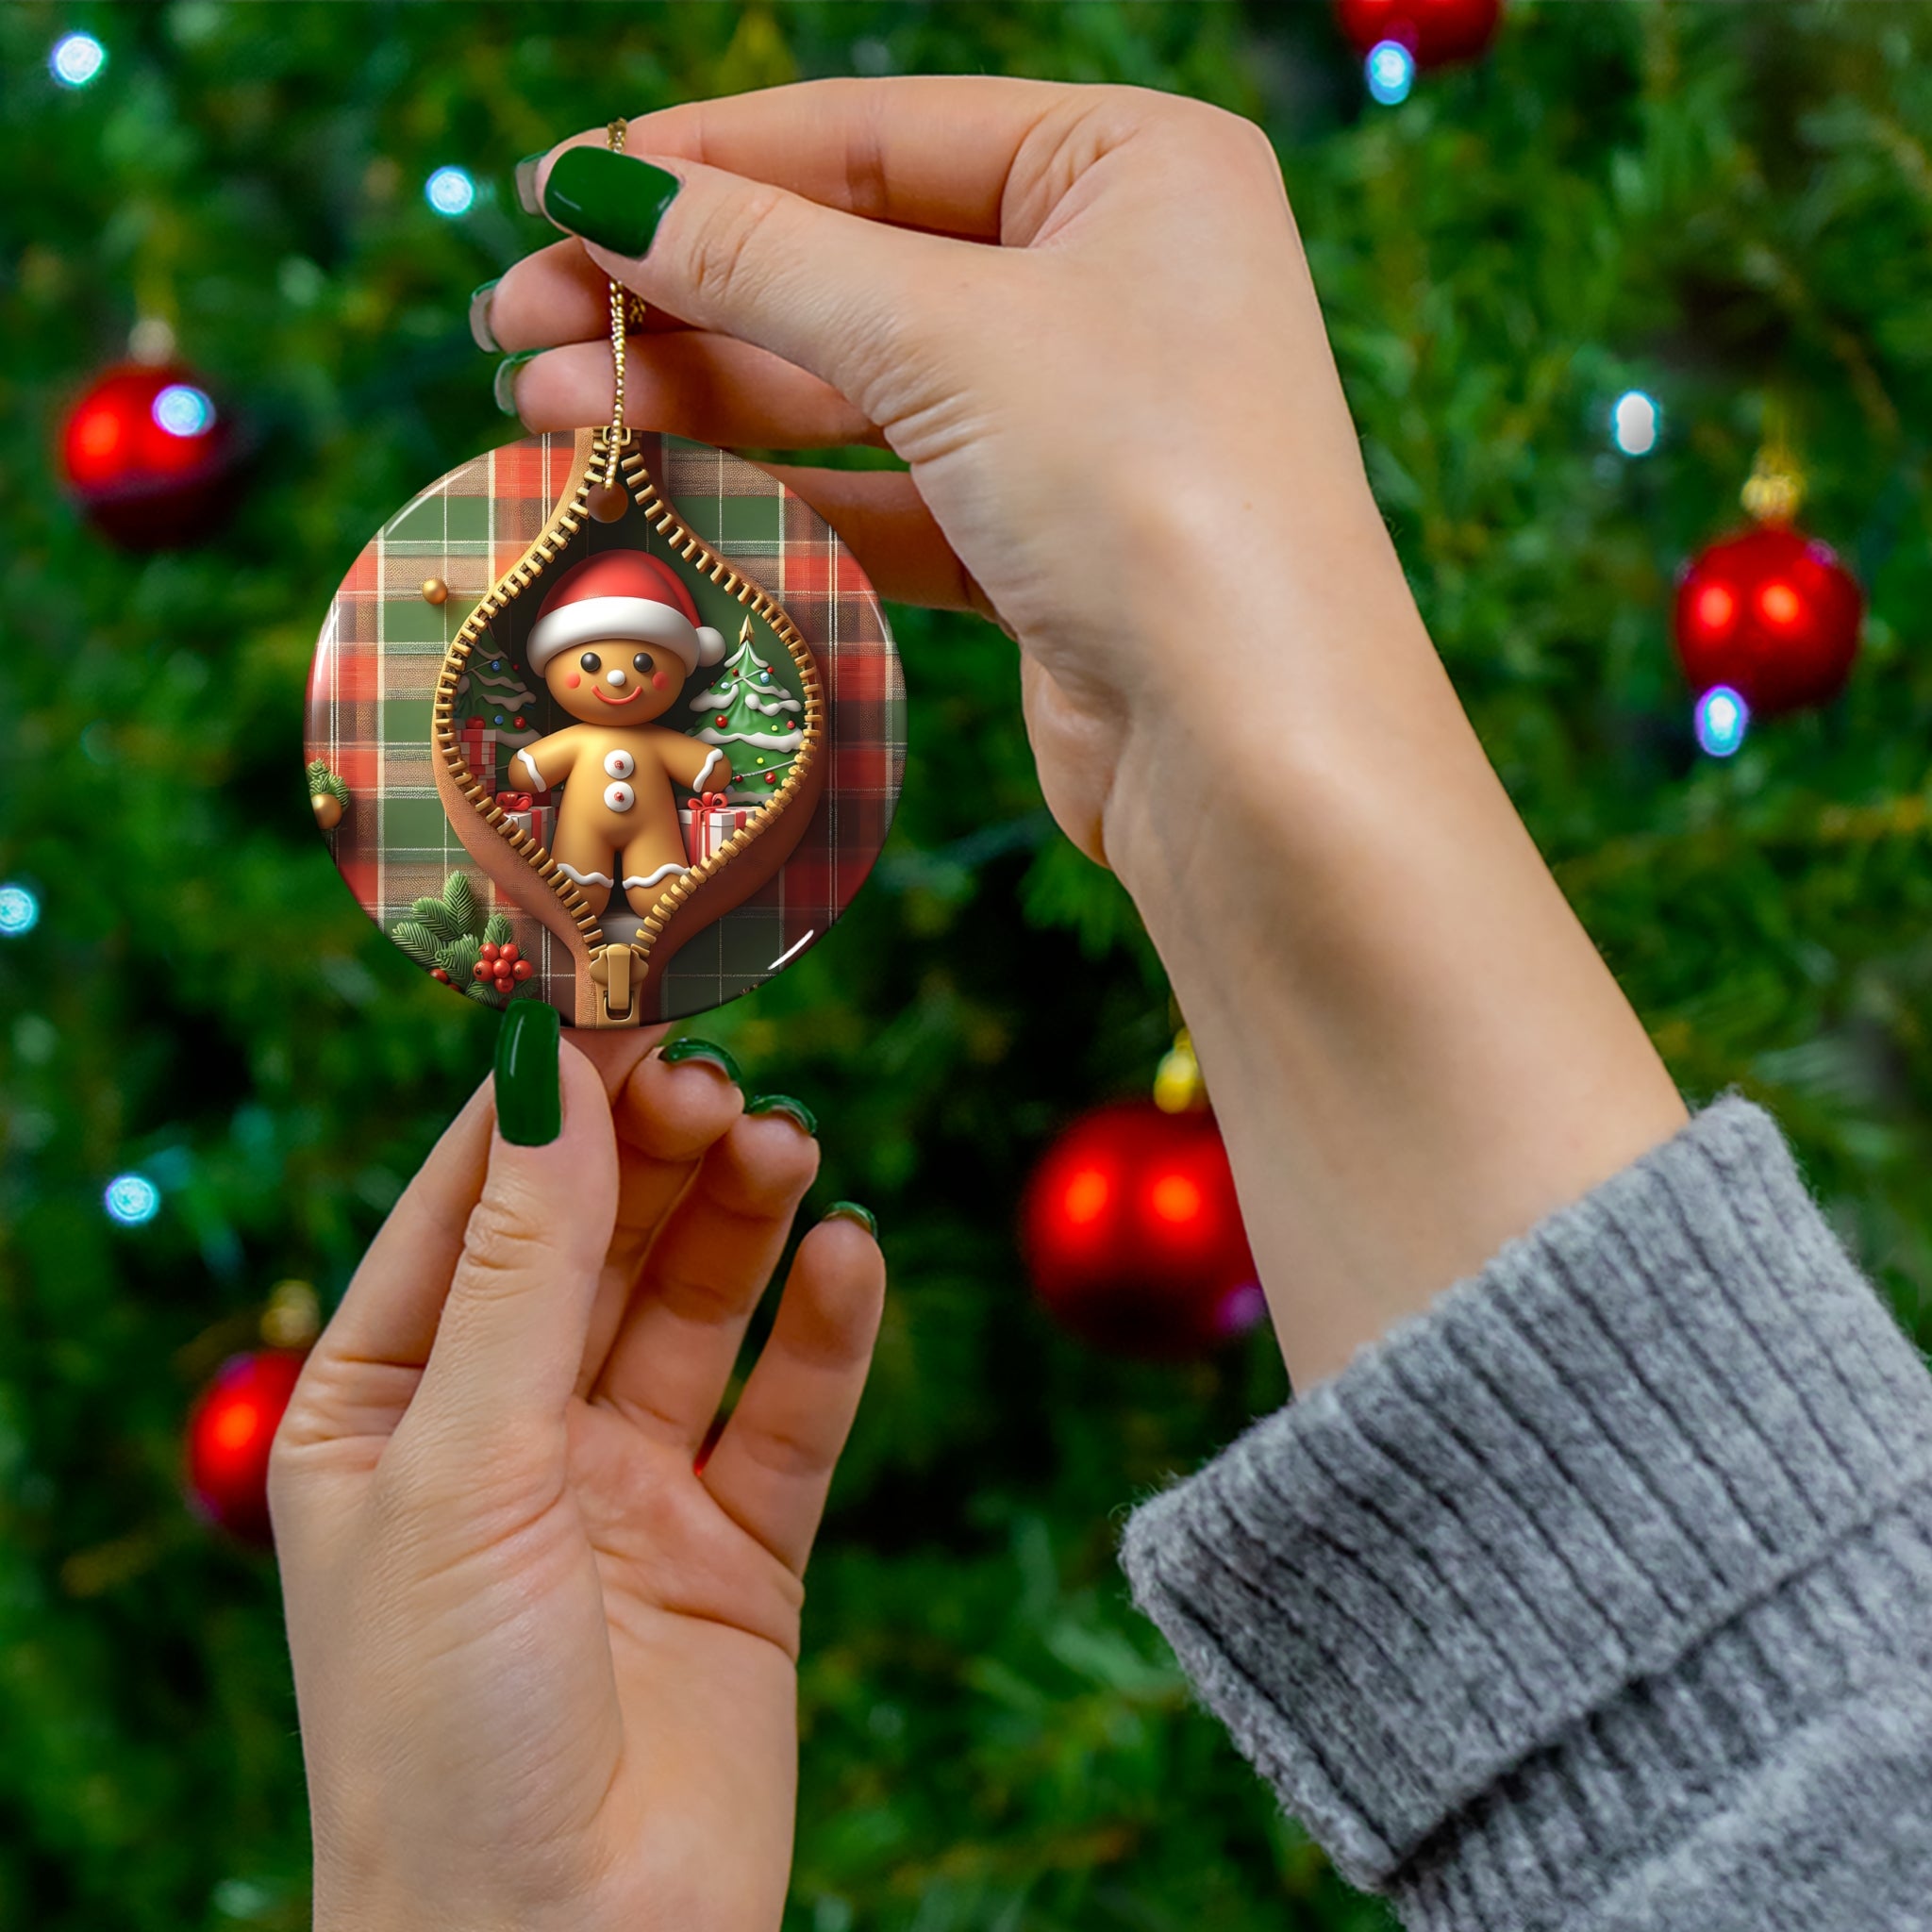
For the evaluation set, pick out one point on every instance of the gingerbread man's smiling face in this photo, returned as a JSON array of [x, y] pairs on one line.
[[615, 681]]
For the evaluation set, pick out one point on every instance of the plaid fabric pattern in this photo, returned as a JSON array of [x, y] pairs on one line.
[[373, 686]]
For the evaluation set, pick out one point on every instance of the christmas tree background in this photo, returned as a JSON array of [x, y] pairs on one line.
[[1721, 206], [750, 710]]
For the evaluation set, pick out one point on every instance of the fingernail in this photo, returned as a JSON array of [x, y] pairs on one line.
[[708, 1052], [480, 331], [526, 183], [529, 1091], [503, 387], [783, 1103], [851, 1210], [609, 198]]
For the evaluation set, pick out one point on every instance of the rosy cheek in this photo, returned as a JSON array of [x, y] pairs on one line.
[[658, 681], [575, 678]]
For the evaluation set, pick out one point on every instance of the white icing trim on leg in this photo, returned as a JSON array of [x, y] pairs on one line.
[[663, 871], [698, 784], [585, 878]]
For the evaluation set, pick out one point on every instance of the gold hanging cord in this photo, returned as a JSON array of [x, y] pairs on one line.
[[627, 311]]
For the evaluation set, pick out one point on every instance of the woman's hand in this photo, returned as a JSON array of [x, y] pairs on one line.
[[1093, 411], [545, 1667], [1083, 317]]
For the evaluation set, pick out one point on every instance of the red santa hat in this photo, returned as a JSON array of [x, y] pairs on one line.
[[622, 594]]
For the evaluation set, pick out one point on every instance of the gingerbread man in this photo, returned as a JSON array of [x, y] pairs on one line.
[[614, 642]]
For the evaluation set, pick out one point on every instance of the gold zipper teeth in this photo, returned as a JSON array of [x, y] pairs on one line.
[[663, 520]]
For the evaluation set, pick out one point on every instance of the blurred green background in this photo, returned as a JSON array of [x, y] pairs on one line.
[[1721, 205]]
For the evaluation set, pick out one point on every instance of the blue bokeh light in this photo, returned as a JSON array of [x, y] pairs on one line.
[[1636, 422], [132, 1199], [19, 911], [76, 59], [450, 191], [182, 409], [1722, 718], [1390, 71]]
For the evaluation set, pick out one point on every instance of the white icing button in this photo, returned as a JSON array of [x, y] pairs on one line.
[[619, 797], [619, 764]]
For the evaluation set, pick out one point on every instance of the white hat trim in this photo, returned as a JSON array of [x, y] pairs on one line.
[[643, 620]]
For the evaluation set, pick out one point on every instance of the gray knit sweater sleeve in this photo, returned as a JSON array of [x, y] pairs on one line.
[[1600, 1595]]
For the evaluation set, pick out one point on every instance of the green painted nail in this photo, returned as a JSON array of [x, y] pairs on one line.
[[529, 1091], [783, 1103], [609, 198], [707, 1050], [480, 331], [503, 387], [851, 1210], [526, 183]]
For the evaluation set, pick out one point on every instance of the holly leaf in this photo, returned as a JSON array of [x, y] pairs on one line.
[[460, 897], [497, 930], [416, 939], [436, 917]]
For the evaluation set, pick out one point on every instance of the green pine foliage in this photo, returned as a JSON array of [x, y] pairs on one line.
[[1723, 206], [448, 935]]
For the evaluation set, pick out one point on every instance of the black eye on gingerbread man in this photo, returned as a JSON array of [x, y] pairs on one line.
[[591, 662], [644, 664]]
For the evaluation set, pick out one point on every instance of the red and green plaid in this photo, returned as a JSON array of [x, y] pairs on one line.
[[374, 681]]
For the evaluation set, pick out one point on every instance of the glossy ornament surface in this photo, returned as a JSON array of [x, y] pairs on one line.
[[149, 455], [1436, 32], [650, 739], [1133, 1237], [230, 1431], [1773, 615]]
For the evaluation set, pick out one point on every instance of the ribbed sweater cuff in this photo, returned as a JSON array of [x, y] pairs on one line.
[[1566, 1549]]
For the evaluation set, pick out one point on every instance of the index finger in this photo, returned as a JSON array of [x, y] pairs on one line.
[[917, 151]]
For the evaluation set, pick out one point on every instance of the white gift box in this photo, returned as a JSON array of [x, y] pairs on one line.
[[710, 821]]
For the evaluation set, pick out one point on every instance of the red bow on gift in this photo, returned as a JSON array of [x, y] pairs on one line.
[[515, 801], [708, 803]]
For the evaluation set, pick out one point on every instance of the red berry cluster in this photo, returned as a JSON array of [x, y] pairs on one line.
[[503, 966]]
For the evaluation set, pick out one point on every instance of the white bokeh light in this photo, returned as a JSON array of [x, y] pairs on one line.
[[1636, 422], [450, 191], [1390, 71], [132, 1199], [1722, 720], [19, 911], [182, 409], [76, 59]]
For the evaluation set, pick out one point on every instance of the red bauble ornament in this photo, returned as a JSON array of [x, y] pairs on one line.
[[229, 1432], [149, 457], [1435, 31], [1773, 614], [1133, 1236]]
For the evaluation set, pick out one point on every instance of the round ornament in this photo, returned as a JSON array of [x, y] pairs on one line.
[[1133, 1236], [557, 757], [148, 457], [1773, 615], [1435, 32], [230, 1431]]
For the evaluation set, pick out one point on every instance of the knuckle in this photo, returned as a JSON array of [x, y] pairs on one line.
[[502, 1247], [725, 253]]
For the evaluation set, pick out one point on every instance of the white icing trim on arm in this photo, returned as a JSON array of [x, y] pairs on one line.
[[524, 757], [698, 784]]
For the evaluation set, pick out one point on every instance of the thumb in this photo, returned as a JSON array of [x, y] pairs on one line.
[[510, 1340], [841, 296]]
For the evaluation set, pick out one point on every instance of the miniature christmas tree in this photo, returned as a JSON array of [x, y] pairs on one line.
[[754, 718], [491, 693]]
